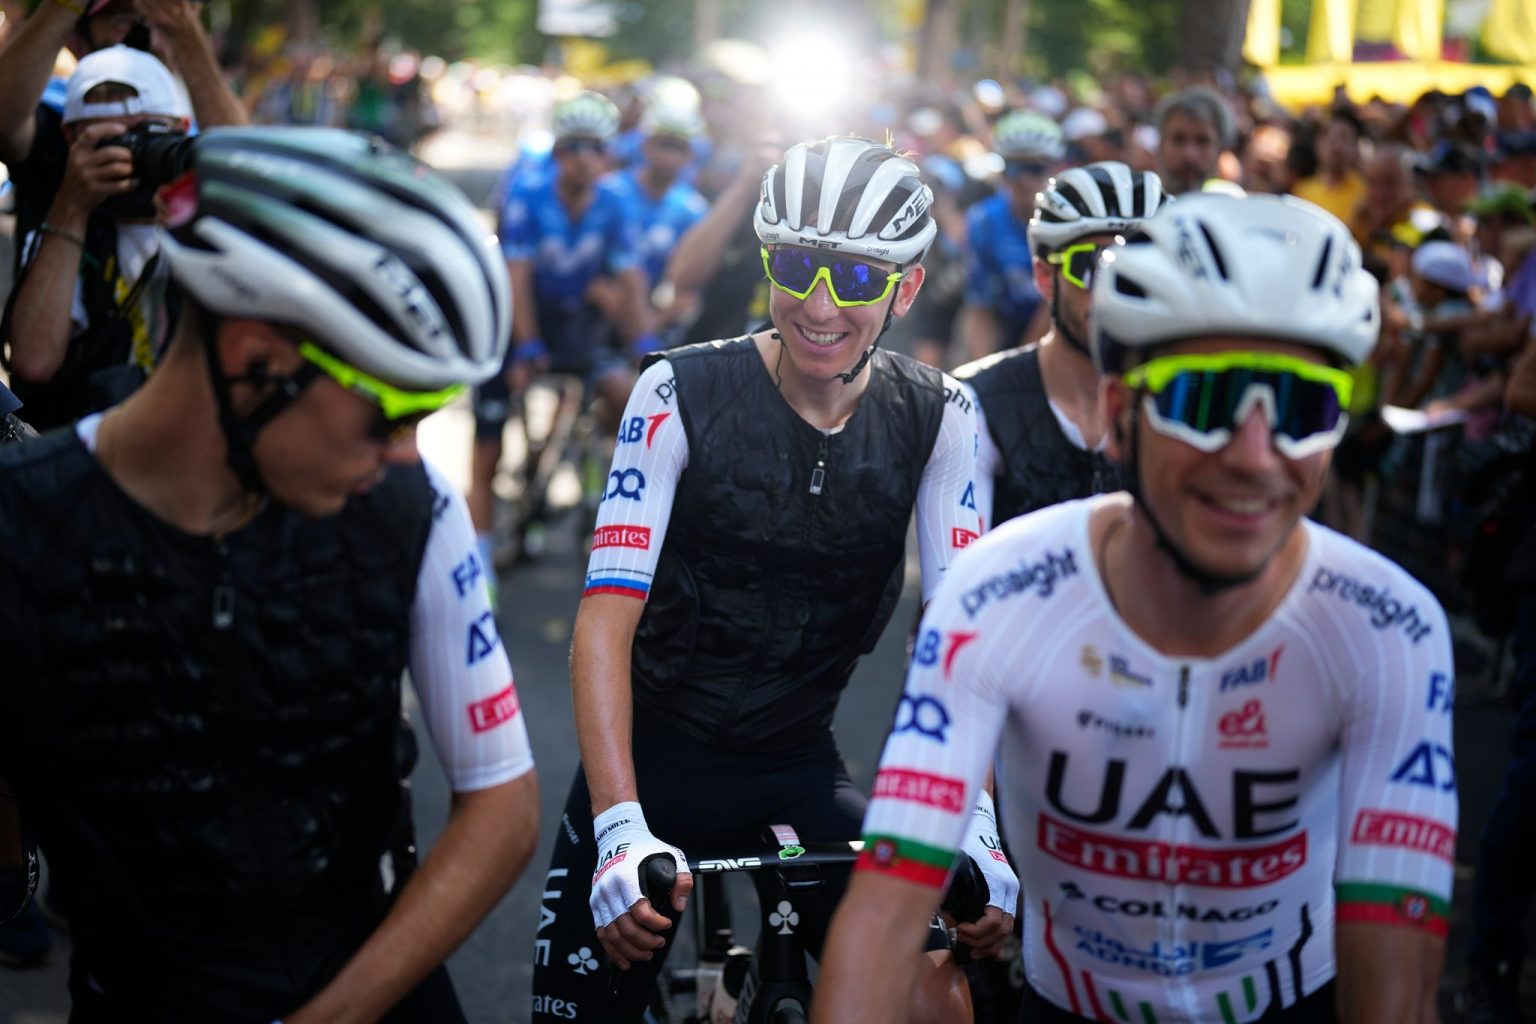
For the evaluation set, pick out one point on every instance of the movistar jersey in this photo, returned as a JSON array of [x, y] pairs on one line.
[[662, 221], [1187, 830], [999, 269], [568, 253]]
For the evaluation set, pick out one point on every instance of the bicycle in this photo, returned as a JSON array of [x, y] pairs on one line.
[[769, 985]]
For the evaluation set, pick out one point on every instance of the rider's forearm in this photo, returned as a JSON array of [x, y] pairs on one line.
[[25, 66], [697, 256], [866, 971], [490, 835], [638, 320], [979, 331], [40, 319], [600, 692], [213, 101], [525, 316], [1387, 974]]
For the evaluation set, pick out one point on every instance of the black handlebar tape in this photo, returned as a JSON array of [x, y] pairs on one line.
[[966, 901]]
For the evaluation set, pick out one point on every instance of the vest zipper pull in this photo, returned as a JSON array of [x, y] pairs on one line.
[[223, 606], [819, 474]]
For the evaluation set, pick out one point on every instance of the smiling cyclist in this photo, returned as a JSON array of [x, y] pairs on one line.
[[748, 552], [1222, 732]]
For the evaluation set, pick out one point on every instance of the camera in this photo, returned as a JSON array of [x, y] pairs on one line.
[[161, 153]]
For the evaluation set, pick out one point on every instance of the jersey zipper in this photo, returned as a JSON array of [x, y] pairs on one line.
[[819, 473], [1180, 995]]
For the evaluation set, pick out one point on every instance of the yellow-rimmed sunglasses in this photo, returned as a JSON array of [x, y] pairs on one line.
[[1202, 399], [399, 411], [850, 281], [1077, 262]]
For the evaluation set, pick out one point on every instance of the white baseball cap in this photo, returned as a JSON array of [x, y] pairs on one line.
[[157, 92], [1445, 264]]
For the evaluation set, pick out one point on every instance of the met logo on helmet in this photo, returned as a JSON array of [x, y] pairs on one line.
[[910, 213], [413, 302]]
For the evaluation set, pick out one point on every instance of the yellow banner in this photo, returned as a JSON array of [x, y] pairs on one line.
[[1298, 87], [1331, 34], [1376, 20], [1419, 29], [1510, 31], [1261, 44]]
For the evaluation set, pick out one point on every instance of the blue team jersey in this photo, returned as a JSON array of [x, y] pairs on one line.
[[662, 221], [566, 254], [999, 272]]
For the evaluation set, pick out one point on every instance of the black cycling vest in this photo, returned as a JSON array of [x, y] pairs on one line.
[[785, 551], [203, 734], [1040, 465]]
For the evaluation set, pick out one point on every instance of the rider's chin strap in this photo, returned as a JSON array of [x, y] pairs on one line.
[[1066, 333], [240, 432], [890, 314], [1209, 583]]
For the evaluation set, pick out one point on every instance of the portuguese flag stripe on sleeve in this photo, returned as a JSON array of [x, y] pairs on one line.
[[1391, 905], [906, 858]]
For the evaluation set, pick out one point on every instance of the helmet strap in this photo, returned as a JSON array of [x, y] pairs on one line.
[[1071, 337], [1208, 583], [858, 368], [240, 431]]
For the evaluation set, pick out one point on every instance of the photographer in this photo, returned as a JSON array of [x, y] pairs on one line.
[[89, 314], [32, 144]]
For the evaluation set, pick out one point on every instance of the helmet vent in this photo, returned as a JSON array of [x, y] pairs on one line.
[[1322, 263], [1221, 264], [1125, 286]]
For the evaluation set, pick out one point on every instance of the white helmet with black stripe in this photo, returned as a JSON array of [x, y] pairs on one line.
[[850, 195], [1104, 198], [379, 258], [1217, 265]]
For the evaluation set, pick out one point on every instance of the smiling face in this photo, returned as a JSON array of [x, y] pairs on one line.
[[1231, 510], [822, 339]]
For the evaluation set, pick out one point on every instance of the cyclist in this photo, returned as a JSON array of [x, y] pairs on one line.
[[666, 205], [1223, 731], [748, 552], [227, 575], [1002, 303], [1040, 435], [559, 235]]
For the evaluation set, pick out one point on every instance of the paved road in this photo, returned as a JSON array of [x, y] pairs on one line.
[[538, 603]]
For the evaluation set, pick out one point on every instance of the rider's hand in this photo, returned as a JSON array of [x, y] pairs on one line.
[[94, 173], [986, 936], [168, 15], [528, 359], [627, 924]]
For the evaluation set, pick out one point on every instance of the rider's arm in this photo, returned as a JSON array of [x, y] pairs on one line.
[[947, 519], [697, 257], [632, 522], [525, 315], [469, 703], [987, 466], [214, 103], [25, 66], [626, 262], [518, 242], [980, 330], [934, 764], [1397, 817]]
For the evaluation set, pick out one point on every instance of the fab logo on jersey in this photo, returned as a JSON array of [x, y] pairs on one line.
[[929, 646], [638, 428], [1260, 670]]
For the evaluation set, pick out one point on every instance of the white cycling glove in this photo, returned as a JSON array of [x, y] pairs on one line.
[[984, 847], [623, 841]]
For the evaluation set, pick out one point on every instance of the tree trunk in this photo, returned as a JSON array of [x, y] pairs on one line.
[[939, 40], [300, 20], [1211, 35], [1015, 32], [706, 23]]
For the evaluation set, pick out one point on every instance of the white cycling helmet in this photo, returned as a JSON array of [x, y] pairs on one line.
[[847, 194], [587, 113], [1216, 265], [679, 119], [1025, 134], [1097, 199], [379, 258]]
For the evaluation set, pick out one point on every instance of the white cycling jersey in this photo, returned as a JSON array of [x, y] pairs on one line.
[[1187, 830]]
